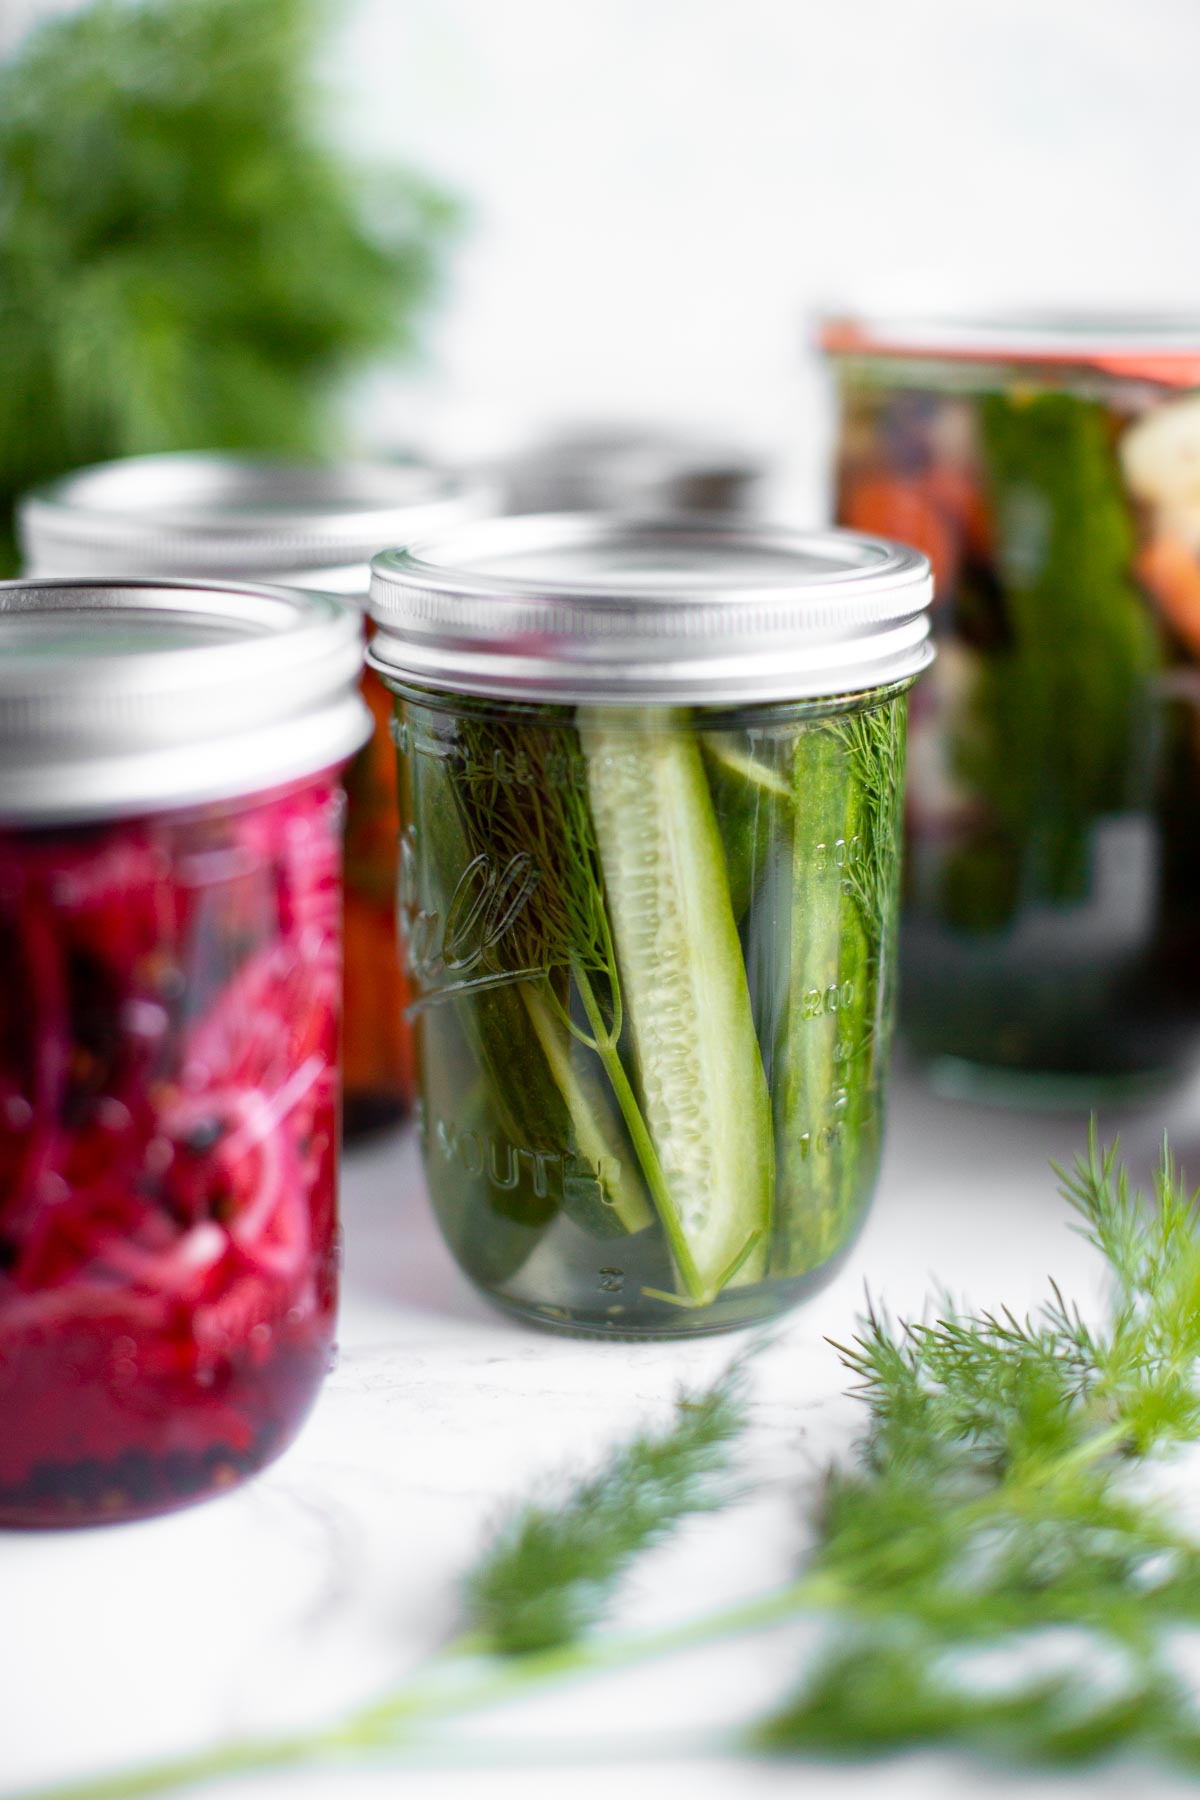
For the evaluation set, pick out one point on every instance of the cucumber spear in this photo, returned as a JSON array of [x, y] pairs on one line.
[[703, 1130]]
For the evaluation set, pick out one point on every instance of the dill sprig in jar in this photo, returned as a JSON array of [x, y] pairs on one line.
[[651, 778]]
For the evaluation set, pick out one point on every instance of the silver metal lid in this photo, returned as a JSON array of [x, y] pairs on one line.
[[123, 697], [592, 607], [238, 517]]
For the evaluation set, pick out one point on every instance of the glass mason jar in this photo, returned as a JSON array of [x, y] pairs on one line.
[[305, 525], [1053, 831], [630, 468], [170, 959], [650, 788]]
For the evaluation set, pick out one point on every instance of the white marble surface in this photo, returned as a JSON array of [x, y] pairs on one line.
[[337, 1569]]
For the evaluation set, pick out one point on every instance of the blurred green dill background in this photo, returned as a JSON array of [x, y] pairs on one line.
[[185, 260]]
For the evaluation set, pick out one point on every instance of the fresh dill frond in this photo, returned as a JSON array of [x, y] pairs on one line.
[[1144, 1367], [520, 784], [991, 1502], [885, 1691], [551, 1569], [993, 1569]]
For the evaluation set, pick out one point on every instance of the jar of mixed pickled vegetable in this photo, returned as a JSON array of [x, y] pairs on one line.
[[1052, 474], [650, 789], [170, 963], [306, 525]]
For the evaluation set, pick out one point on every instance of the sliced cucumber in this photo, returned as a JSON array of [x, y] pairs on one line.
[[723, 750], [706, 1141], [823, 1010], [750, 799], [625, 1207]]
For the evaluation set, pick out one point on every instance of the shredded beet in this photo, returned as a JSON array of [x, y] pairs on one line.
[[168, 1041]]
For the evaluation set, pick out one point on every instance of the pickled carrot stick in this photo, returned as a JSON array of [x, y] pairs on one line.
[[904, 508], [1167, 568]]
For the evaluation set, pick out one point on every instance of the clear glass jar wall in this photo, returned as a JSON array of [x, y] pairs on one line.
[[1053, 829], [168, 1140], [652, 958]]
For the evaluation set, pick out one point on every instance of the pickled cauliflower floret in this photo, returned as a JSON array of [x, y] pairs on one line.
[[1160, 456]]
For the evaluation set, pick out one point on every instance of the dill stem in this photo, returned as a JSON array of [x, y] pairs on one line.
[[635, 1124], [385, 1724], [240, 1756], [448, 1687], [595, 1656]]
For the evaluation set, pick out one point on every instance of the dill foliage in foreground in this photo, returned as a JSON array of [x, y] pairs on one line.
[[185, 262], [553, 1565], [999, 1518], [992, 1501]]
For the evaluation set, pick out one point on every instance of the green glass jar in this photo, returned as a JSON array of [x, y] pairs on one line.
[[650, 788], [1049, 470]]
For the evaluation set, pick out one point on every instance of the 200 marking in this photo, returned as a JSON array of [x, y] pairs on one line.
[[820, 1001]]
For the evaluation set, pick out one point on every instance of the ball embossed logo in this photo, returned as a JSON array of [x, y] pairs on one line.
[[462, 949]]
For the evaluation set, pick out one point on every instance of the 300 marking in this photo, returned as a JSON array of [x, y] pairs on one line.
[[840, 853]]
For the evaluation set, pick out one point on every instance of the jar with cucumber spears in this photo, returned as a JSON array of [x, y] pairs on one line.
[[651, 780], [170, 956], [306, 525], [1051, 471]]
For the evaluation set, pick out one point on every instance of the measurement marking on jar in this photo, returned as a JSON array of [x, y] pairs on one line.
[[432, 749], [514, 767], [510, 768], [819, 1002], [822, 1141], [566, 769], [837, 853]]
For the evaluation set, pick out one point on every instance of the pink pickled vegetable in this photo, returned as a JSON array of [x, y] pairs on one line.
[[168, 1044]]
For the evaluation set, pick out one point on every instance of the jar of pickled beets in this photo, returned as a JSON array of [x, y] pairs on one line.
[[1051, 471], [651, 781], [307, 525], [170, 958]]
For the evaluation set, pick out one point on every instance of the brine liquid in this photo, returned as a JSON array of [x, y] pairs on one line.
[[674, 1131]]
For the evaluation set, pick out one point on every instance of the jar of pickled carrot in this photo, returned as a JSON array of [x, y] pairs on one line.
[[307, 525], [170, 974], [1050, 469], [651, 779]]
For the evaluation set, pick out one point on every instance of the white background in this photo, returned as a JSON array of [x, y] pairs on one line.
[[663, 188], [659, 191]]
